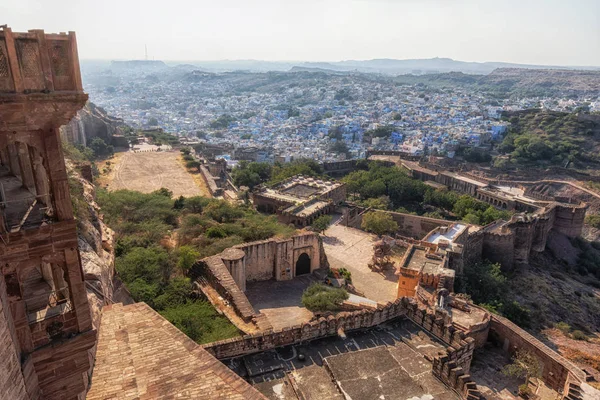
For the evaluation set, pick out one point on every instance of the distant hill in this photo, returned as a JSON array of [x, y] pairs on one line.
[[521, 82], [316, 69], [385, 66], [539, 138], [554, 81], [426, 66], [142, 65]]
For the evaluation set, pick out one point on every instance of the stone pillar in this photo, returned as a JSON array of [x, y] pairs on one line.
[[13, 160], [27, 178], [74, 274], [4, 160], [57, 173], [42, 186]]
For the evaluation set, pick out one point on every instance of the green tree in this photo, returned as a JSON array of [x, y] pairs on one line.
[[100, 148], [187, 256], [379, 223], [340, 147], [524, 365], [484, 282], [322, 223]]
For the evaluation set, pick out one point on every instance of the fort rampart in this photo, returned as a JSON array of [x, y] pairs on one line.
[[557, 372], [213, 188]]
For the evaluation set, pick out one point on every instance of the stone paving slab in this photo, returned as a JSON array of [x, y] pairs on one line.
[[353, 249]]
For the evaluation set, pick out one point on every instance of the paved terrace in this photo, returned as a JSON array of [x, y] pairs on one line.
[[353, 249], [388, 362], [281, 301]]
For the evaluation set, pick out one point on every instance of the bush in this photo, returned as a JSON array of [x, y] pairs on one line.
[[200, 321], [215, 232], [347, 275], [563, 327], [579, 335], [593, 220], [149, 264], [318, 297]]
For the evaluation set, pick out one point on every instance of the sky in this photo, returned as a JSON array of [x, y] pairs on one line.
[[545, 32]]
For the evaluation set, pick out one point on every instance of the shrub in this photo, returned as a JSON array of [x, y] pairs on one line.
[[318, 297], [200, 321], [347, 275], [563, 327], [593, 220], [579, 335], [215, 232]]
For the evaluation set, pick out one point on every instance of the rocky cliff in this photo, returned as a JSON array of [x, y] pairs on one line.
[[96, 250], [90, 122]]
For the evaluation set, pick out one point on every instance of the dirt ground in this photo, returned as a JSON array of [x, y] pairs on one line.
[[353, 249], [149, 171], [281, 301]]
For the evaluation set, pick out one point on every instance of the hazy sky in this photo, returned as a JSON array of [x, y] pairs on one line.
[[556, 32]]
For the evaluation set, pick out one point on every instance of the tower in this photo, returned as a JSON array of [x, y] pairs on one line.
[[45, 321]]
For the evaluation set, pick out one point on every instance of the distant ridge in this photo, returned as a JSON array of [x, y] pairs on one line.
[[138, 64], [427, 66], [380, 66]]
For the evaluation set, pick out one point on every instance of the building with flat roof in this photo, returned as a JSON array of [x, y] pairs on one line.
[[299, 200]]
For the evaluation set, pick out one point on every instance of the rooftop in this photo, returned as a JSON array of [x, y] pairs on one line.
[[142, 356], [388, 362], [449, 235]]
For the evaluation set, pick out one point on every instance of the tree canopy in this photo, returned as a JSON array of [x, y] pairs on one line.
[[379, 223]]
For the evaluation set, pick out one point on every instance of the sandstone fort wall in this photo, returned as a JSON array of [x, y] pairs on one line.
[[555, 368], [409, 225], [12, 380]]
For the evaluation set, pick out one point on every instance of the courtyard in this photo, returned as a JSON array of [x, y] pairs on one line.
[[353, 249], [281, 301]]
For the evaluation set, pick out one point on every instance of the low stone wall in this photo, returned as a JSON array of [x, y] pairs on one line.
[[322, 327], [210, 182], [409, 225], [556, 370], [216, 273]]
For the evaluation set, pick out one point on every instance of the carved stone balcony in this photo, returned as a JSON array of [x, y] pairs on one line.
[[40, 81]]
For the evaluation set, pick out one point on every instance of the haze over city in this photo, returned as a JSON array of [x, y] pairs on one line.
[[547, 32]]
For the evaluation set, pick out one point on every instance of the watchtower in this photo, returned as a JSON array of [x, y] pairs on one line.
[[44, 311]]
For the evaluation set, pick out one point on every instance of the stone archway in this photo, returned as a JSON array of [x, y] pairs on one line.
[[303, 264]]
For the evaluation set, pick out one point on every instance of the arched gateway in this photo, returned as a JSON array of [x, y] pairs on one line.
[[303, 265]]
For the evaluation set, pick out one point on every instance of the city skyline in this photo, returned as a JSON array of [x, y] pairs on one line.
[[536, 32]]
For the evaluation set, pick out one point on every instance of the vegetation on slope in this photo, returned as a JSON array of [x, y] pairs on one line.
[[551, 138], [159, 238]]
